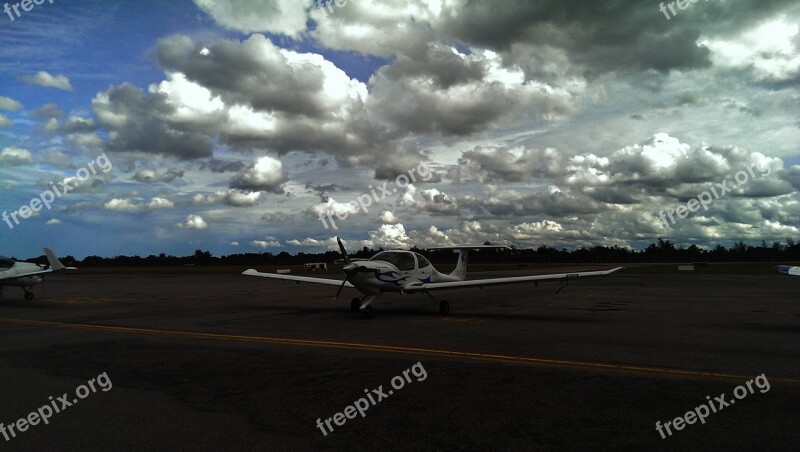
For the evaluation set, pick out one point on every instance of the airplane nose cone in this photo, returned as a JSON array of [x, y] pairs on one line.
[[350, 269], [353, 268]]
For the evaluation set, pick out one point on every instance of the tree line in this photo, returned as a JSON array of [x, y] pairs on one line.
[[663, 250]]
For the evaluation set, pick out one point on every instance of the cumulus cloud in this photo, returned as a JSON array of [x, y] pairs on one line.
[[194, 222], [232, 197], [12, 156], [273, 98], [488, 94], [268, 242], [389, 236], [133, 206], [334, 208], [265, 175], [518, 164], [277, 217], [9, 104], [151, 176], [387, 217], [769, 51], [141, 122], [286, 17], [44, 78]]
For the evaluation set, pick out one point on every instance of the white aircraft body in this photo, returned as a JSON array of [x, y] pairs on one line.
[[25, 275], [795, 271], [407, 272]]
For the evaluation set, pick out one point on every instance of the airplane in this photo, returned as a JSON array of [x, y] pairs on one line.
[[795, 271], [25, 275], [408, 272]]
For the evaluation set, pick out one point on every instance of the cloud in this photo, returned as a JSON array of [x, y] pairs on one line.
[[419, 98], [44, 78], [194, 222], [12, 156], [387, 217], [265, 175], [768, 52], [56, 158], [6, 103], [277, 217], [390, 236], [518, 164], [286, 17], [47, 111], [232, 197], [150, 176], [131, 206], [271, 98], [5, 121], [333, 208], [224, 166], [53, 221], [269, 242], [140, 122]]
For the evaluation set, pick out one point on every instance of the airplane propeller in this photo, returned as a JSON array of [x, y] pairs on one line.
[[344, 251], [349, 269], [345, 269]]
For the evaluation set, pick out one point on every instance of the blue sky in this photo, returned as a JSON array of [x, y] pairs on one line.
[[233, 126]]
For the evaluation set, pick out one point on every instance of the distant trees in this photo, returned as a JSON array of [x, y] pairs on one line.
[[663, 250]]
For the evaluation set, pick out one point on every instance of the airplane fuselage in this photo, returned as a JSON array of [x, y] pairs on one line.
[[376, 276], [18, 272]]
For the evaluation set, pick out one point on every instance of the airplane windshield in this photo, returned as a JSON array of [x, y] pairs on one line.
[[6, 262], [403, 261]]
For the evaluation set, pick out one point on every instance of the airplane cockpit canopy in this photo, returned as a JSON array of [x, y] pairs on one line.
[[6, 262], [403, 260], [421, 261]]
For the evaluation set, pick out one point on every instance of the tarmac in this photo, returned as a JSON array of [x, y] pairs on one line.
[[211, 362]]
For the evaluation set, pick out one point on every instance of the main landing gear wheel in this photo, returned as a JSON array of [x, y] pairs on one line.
[[367, 312], [355, 305], [444, 307], [28, 295]]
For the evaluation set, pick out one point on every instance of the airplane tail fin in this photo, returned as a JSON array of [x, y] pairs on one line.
[[461, 268], [55, 264]]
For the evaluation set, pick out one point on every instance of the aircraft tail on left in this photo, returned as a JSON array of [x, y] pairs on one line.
[[55, 264]]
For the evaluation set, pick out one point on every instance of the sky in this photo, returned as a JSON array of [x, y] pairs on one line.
[[257, 126]]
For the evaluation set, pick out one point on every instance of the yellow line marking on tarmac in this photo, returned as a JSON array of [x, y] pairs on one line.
[[472, 356], [72, 300]]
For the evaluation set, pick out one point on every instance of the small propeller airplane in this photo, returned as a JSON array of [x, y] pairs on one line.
[[408, 272], [25, 275], [795, 271]]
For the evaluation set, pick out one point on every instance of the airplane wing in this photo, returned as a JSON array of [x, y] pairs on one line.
[[11, 278], [788, 270], [422, 287], [298, 279]]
